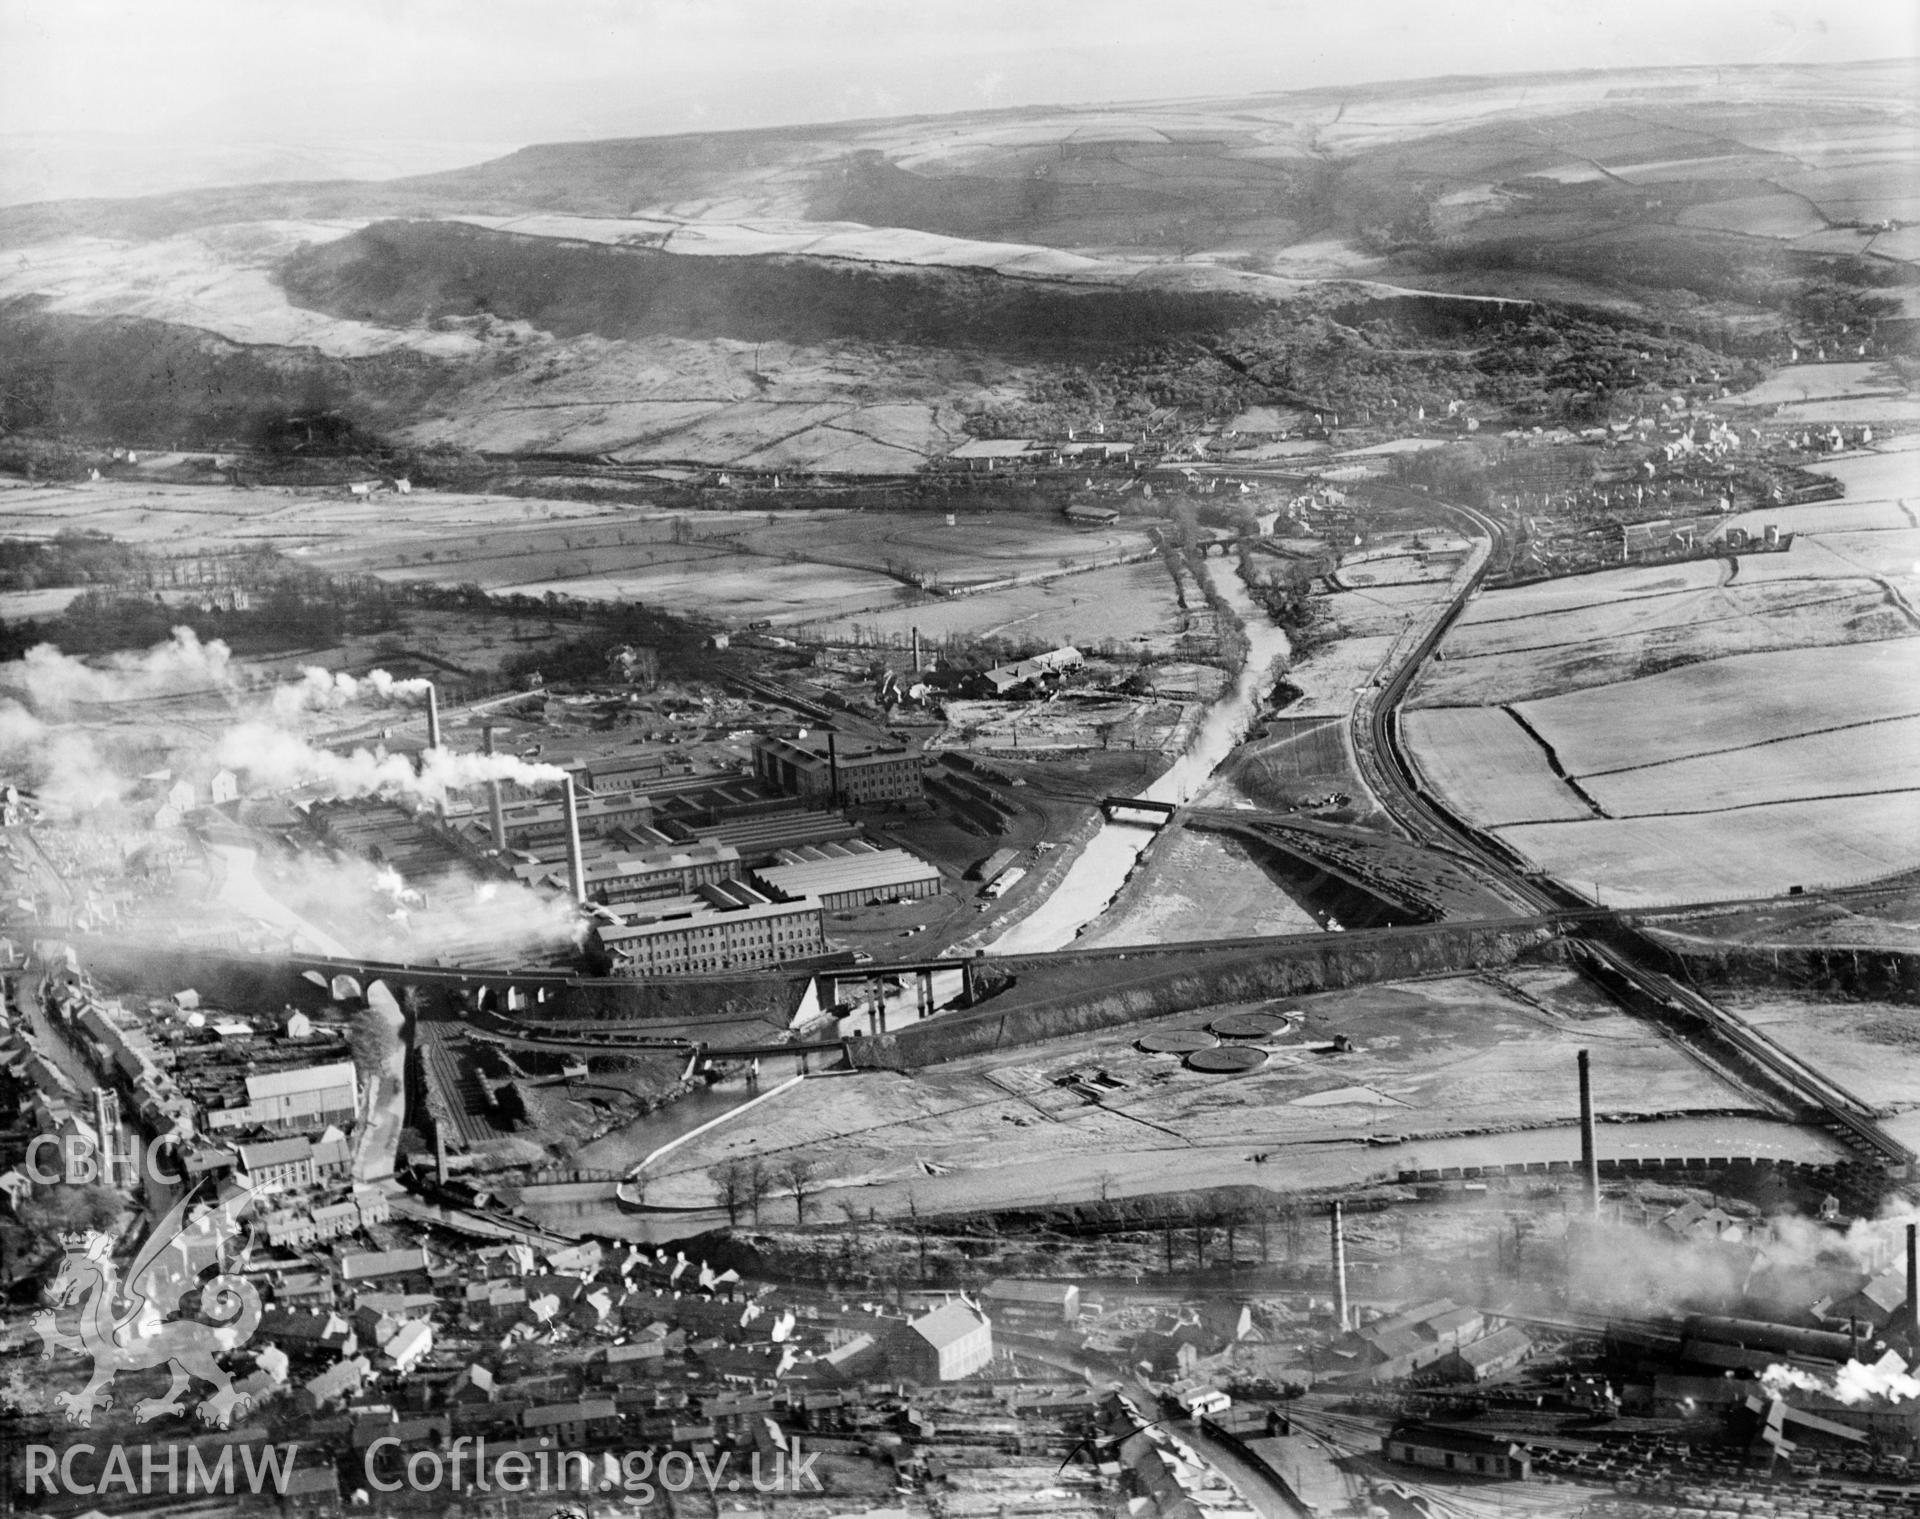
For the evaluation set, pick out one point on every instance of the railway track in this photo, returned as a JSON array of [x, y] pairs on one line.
[[1614, 946]]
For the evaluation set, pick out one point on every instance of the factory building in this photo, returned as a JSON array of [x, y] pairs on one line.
[[1480, 1359], [297, 1161], [713, 931], [531, 824], [1457, 1450], [295, 1101], [848, 875], [829, 770], [615, 774], [1041, 1305], [614, 878], [1002, 680]]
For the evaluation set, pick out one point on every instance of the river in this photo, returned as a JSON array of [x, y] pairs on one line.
[[1096, 876]]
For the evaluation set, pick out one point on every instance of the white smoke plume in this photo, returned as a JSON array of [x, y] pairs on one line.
[[54, 681], [60, 765], [320, 690], [271, 757], [373, 911], [1854, 1383]]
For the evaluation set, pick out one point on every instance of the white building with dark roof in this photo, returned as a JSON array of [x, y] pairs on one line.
[[953, 1341], [297, 1100], [840, 877]]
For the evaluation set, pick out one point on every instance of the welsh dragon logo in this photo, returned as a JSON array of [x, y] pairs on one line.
[[132, 1327]]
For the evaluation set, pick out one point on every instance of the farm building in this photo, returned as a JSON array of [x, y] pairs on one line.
[[841, 875], [945, 1345], [1457, 1450], [827, 770]]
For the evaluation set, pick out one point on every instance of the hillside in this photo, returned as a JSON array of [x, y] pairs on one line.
[[846, 296]]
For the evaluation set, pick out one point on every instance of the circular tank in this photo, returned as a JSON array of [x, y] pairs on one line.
[[1227, 1059]]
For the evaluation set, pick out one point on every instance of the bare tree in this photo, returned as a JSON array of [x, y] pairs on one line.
[[797, 1176], [730, 1186], [756, 1183]]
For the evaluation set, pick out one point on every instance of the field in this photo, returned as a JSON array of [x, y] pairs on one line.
[[185, 518], [1456, 1069], [1722, 705], [770, 238], [1784, 216], [1131, 604], [1821, 382], [1486, 766], [1871, 1048], [1743, 851], [1595, 630], [1859, 760], [1884, 475], [1824, 517], [1402, 565], [1743, 726], [218, 278], [738, 566]]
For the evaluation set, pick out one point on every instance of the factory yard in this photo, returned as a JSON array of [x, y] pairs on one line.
[[1455, 1066], [1713, 728]]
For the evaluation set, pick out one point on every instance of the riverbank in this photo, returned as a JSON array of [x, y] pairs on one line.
[[1098, 874]]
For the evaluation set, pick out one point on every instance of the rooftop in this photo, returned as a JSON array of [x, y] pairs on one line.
[[857, 872], [947, 1325], [299, 1079]]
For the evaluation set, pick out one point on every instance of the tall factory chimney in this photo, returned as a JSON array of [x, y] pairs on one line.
[[496, 814], [1589, 1158], [433, 717], [833, 767], [1913, 1290], [916, 651], [576, 865], [1340, 1266]]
